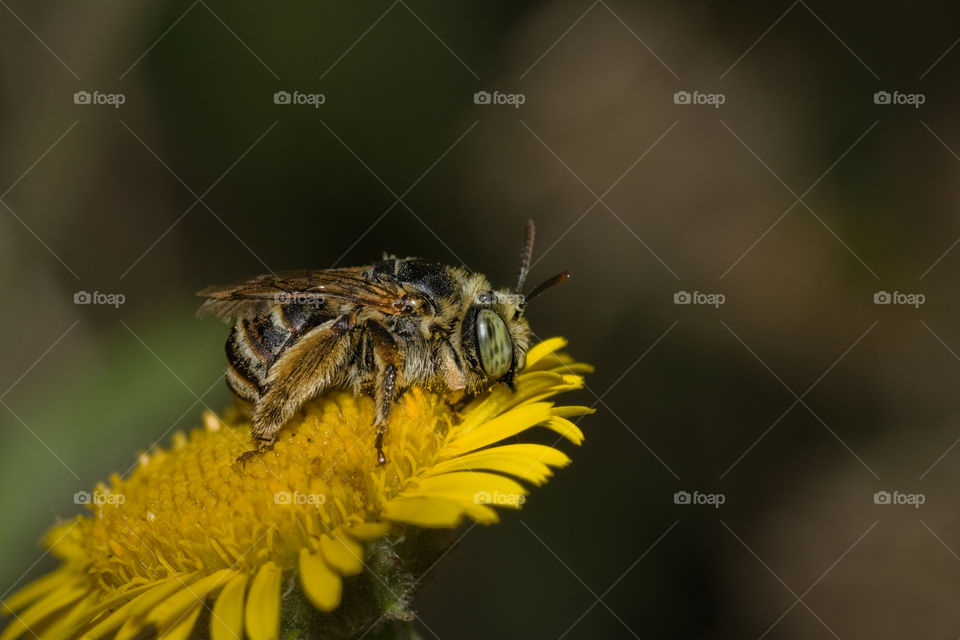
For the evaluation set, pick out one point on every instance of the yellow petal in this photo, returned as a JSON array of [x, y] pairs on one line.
[[34, 590], [366, 531], [503, 426], [572, 411], [321, 583], [262, 611], [435, 512], [566, 365], [65, 540], [226, 622], [145, 603], [57, 599], [530, 462], [530, 388], [81, 611], [470, 487], [103, 605], [130, 614], [343, 554], [176, 605], [544, 348], [183, 624], [566, 429]]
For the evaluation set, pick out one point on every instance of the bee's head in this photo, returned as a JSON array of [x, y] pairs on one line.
[[494, 334]]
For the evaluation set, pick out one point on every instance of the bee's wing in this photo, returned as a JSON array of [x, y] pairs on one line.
[[256, 296]]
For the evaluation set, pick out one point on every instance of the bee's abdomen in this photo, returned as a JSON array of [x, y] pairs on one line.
[[256, 343]]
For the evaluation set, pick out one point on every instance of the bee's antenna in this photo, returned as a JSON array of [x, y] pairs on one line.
[[525, 255], [543, 286]]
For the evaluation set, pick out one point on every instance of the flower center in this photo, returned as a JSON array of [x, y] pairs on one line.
[[195, 508]]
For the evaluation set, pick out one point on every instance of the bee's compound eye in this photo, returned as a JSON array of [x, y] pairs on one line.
[[493, 343]]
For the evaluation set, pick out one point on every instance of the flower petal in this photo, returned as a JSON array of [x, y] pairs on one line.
[[530, 387], [566, 429], [572, 411], [343, 554], [470, 488], [59, 598], [175, 606], [226, 623], [436, 512], [184, 623], [80, 611], [135, 611], [503, 426], [543, 348], [366, 531], [99, 606], [118, 617], [35, 589], [262, 611], [530, 462], [322, 584]]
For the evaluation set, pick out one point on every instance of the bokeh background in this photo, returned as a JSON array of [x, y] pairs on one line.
[[799, 198]]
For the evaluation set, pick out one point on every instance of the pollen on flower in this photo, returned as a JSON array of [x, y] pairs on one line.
[[190, 523]]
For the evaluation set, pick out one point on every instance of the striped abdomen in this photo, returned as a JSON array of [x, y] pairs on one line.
[[255, 344]]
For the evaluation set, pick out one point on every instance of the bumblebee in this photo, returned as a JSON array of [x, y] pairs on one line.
[[379, 329]]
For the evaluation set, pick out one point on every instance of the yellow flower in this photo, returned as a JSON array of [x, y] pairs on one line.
[[190, 525]]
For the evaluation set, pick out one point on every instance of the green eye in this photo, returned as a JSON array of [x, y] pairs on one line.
[[494, 344]]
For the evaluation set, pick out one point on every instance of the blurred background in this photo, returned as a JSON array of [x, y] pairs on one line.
[[784, 168]]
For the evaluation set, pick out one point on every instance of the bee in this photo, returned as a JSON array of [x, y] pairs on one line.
[[379, 329]]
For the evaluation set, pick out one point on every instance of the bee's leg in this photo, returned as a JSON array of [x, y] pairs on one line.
[[387, 359], [262, 446], [247, 408], [386, 389], [301, 372], [264, 435]]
